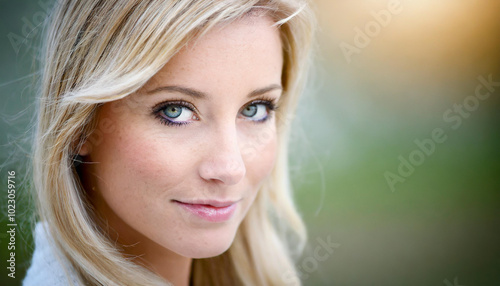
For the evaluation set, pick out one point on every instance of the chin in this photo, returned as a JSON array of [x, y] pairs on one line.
[[207, 253], [209, 244]]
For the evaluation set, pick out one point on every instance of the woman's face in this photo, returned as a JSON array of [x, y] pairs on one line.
[[177, 165]]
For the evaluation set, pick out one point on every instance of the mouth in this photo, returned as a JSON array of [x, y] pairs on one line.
[[209, 210]]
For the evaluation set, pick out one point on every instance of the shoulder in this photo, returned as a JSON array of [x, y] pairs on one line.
[[48, 265]]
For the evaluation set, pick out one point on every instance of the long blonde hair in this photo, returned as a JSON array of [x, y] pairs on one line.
[[98, 51]]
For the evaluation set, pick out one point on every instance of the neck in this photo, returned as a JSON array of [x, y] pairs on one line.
[[173, 267]]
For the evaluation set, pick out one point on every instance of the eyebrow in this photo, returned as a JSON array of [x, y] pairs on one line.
[[201, 95]]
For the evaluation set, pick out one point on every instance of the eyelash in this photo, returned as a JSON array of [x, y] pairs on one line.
[[270, 105]]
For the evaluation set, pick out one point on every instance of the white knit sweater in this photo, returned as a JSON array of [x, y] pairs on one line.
[[48, 265]]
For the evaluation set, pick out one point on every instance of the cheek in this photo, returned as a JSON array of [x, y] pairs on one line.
[[136, 168], [259, 154], [137, 174]]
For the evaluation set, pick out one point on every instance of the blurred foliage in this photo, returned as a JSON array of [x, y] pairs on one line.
[[439, 226]]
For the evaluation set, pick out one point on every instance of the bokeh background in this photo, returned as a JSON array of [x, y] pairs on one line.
[[385, 73]]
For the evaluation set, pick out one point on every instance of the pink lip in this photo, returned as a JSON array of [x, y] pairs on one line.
[[213, 211]]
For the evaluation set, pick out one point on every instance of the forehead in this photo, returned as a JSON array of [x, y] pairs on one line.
[[248, 49]]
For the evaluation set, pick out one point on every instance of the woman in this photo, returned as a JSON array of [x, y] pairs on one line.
[[160, 154]]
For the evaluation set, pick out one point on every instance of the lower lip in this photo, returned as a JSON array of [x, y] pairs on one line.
[[210, 213]]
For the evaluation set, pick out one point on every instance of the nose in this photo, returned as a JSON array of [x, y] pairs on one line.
[[222, 161]]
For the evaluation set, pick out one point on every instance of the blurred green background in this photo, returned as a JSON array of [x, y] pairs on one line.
[[384, 76]]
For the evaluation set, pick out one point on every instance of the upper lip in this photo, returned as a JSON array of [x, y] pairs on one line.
[[213, 203]]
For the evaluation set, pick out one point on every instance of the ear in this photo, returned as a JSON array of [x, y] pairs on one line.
[[85, 149]]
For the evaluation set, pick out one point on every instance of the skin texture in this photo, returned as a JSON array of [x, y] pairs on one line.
[[140, 166]]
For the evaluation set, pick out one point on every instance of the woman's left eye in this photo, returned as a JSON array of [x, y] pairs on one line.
[[256, 111]]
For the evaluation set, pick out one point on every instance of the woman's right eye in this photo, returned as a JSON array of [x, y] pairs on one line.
[[175, 114]]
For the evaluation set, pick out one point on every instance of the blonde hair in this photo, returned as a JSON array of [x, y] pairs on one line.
[[99, 51]]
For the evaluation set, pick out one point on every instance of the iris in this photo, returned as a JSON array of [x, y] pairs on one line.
[[173, 111], [250, 110]]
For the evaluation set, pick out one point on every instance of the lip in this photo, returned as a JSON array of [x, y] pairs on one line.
[[210, 210]]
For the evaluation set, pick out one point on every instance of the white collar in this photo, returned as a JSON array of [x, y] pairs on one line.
[[48, 266]]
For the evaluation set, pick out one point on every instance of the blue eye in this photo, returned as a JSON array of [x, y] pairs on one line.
[[250, 110], [175, 113], [258, 111]]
